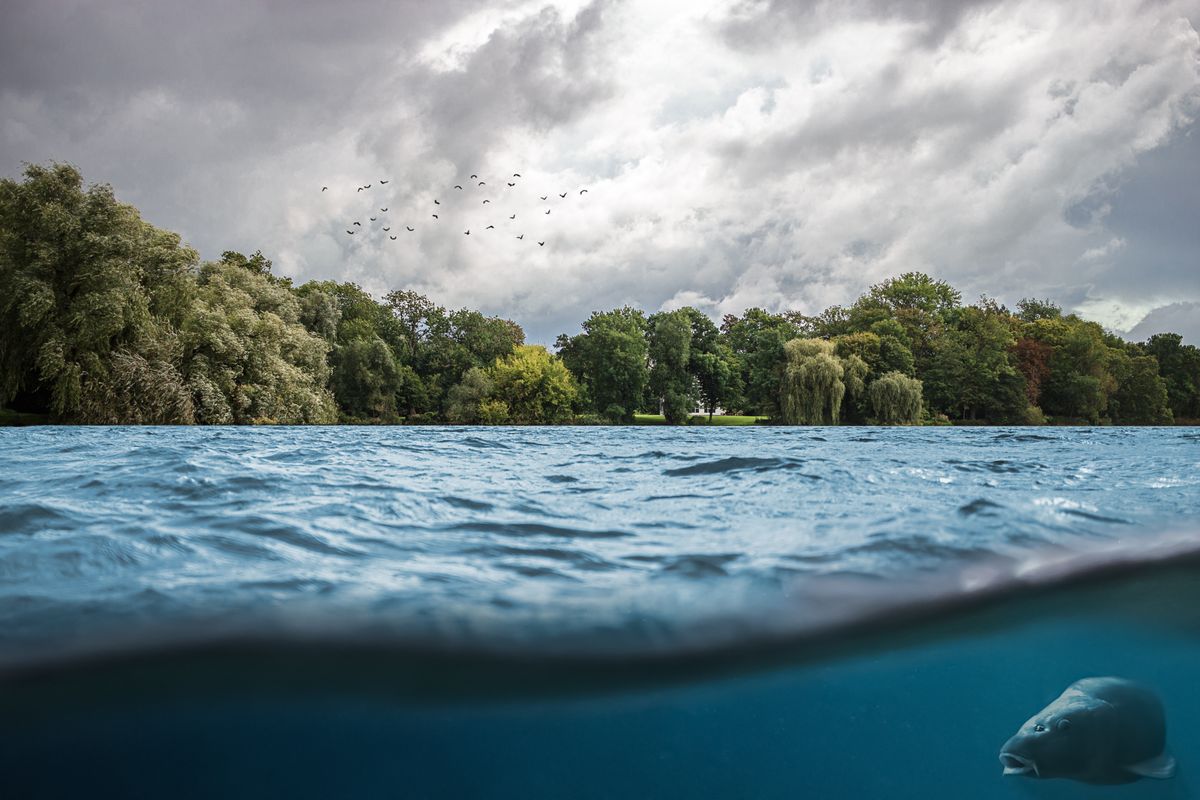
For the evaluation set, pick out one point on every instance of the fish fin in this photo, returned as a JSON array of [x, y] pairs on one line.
[[1161, 766]]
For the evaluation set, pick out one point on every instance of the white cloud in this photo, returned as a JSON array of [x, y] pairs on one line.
[[760, 156]]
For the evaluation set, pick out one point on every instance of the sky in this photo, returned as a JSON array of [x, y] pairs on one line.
[[735, 154]]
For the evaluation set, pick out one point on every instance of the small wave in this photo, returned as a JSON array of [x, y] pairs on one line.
[[530, 571], [1077, 512], [534, 529], [562, 478], [483, 444], [738, 464], [287, 534], [468, 503], [307, 585], [700, 566], [1000, 466], [578, 559], [981, 507], [32, 517], [1022, 437]]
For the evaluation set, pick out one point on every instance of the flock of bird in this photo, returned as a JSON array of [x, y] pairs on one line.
[[356, 226]]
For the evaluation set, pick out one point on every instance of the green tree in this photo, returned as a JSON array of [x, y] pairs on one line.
[[90, 300], [1141, 394], [757, 340], [1031, 310], [442, 345], [247, 357], [466, 399], [916, 301], [972, 371], [1179, 365], [811, 388], [896, 399], [1078, 382], [535, 387], [671, 381], [609, 359], [711, 363]]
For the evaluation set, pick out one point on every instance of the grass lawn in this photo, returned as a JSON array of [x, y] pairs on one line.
[[658, 419]]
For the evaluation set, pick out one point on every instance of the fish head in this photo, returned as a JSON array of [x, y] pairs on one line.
[[1064, 740]]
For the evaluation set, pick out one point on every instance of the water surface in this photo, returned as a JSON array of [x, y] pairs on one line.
[[591, 612]]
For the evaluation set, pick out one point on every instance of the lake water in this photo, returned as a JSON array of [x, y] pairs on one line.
[[583, 612]]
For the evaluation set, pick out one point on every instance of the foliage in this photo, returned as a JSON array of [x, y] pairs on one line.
[[108, 319], [90, 300], [1141, 394], [535, 387], [757, 340], [811, 388], [896, 399], [671, 382], [465, 402], [1179, 365], [247, 356], [609, 359]]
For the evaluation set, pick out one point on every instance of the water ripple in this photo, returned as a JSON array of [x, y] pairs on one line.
[[545, 530]]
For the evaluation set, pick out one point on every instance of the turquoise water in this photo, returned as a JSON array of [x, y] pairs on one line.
[[584, 612]]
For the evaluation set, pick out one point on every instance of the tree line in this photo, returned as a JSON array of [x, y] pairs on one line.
[[108, 319]]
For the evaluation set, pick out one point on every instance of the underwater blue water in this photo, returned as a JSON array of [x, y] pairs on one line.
[[637, 552]]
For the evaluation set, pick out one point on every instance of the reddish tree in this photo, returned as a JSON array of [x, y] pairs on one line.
[[1033, 359]]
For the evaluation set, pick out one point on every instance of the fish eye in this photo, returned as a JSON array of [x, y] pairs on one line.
[[1064, 724], [1039, 727]]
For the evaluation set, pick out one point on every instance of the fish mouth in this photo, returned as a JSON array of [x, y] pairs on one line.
[[1018, 765]]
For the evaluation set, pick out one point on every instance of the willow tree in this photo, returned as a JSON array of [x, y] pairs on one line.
[[811, 386], [247, 357], [90, 300], [896, 399]]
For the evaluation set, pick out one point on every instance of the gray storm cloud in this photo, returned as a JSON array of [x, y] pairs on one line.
[[755, 154]]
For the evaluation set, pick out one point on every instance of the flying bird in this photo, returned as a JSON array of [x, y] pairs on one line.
[[393, 238], [522, 236], [516, 174], [381, 183], [383, 209], [512, 184], [409, 229], [466, 233], [473, 177], [350, 232], [368, 186], [547, 211], [541, 244], [385, 230], [359, 224], [437, 203], [489, 227], [481, 183], [360, 188], [435, 216], [545, 196], [487, 201], [373, 219], [456, 186], [564, 194], [583, 191], [514, 216], [323, 188]]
